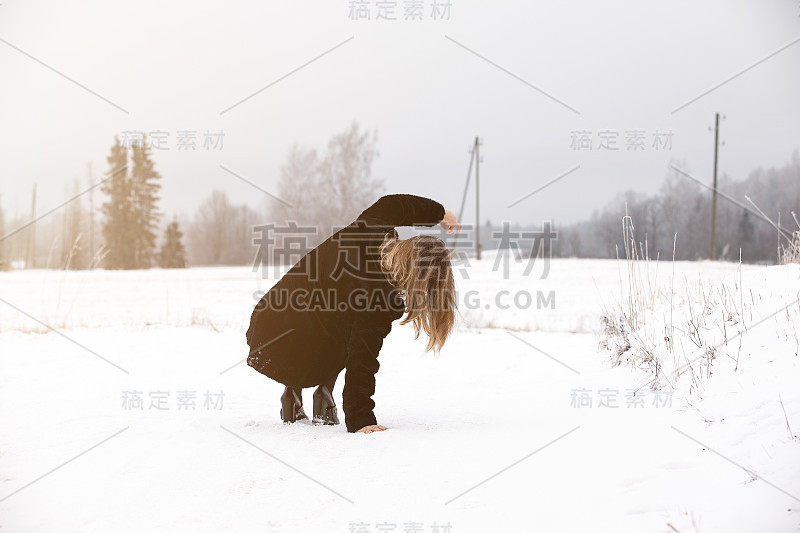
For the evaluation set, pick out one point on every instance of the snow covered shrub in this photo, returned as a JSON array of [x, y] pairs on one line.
[[791, 252], [698, 329], [615, 337], [628, 331]]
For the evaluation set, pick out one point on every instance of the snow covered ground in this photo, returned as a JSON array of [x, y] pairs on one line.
[[524, 423]]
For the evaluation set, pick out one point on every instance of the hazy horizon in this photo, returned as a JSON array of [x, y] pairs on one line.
[[618, 66]]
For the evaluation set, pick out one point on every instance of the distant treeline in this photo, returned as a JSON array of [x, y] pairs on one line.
[[118, 226], [114, 222], [683, 206]]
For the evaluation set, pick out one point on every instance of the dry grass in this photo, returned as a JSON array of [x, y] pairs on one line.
[[628, 327], [791, 252], [640, 329], [788, 251]]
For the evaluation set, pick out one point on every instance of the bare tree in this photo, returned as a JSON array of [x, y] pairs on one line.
[[346, 174], [299, 188], [220, 233], [682, 206], [328, 192]]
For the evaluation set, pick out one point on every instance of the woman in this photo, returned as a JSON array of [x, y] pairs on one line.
[[332, 310]]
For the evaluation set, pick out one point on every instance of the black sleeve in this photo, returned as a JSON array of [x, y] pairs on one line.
[[361, 365], [404, 210]]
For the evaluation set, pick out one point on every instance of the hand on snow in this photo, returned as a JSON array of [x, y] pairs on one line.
[[370, 429]]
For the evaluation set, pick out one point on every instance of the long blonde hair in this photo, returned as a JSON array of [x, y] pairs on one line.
[[420, 266]]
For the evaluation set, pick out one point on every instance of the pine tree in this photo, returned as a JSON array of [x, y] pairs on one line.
[[144, 195], [117, 227], [172, 253], [131, 215]]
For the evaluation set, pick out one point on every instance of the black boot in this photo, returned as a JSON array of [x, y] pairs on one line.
[[324, 406], [292, 405]]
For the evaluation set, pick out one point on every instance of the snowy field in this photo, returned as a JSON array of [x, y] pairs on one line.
[[126, 406]]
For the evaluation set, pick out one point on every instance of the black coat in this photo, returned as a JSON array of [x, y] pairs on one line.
[[332, 310]]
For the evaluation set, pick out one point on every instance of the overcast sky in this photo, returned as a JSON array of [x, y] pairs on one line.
[[546, 71]]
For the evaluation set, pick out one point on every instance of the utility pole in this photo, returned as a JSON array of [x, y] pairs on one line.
[[31, 259], [477, 199], [475, 158], [714, 198]]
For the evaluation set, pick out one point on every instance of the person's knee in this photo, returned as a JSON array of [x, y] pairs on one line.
[[326, 386], [323, 389]]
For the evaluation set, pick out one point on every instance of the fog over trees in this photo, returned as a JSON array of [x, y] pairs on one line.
[[130, 212], [220, 232], [682, 206], [328, 190], [114, 222]]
